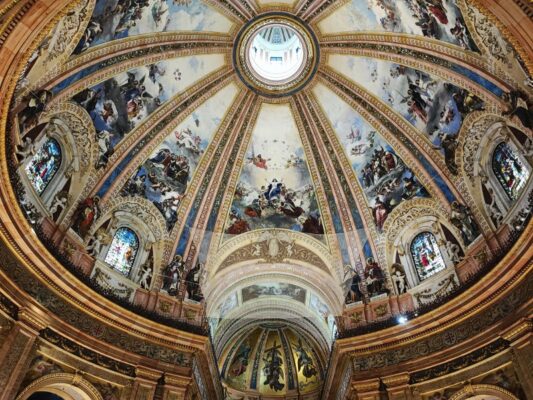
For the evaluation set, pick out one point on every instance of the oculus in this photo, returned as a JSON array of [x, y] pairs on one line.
[[276, 54]]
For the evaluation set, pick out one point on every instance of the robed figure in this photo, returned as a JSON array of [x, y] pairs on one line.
[[87, 212]]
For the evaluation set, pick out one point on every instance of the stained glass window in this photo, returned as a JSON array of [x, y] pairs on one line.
[[44, 165], [426, 255], [509, 170], [123, 249]]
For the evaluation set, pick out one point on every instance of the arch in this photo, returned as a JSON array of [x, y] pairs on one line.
[[426, 255], [68, 386], [123, 250], [44, 165], [487, 390]]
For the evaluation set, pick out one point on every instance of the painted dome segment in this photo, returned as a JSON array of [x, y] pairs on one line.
[[272, 360]]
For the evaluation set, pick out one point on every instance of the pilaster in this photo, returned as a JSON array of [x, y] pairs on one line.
[[398, 386], [175, 387], [16, 352], [366, 390], [520, 335], [145, 383]]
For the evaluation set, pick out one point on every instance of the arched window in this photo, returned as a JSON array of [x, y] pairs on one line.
[[44, 165], [510, 172], [426, 255], [123, 249]]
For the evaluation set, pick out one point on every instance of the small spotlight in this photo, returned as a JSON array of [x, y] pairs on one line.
[[402, 319]]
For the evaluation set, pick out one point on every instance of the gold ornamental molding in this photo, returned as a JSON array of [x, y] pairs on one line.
[[53, 380], [72, 25], [260, 84], [207, 164], [470, 391], [164, 45], [276, 241], [160, 133], [340, 85], [355, 186], [518, 330], [104, 74], [417, 47], [400, 148], [481, 5], [217, 79], [235, 154], [416, 62], [228, 8], [327, 220], [313, 131], [515, 267]]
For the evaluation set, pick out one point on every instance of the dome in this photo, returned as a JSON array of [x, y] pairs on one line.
[[274, 194]]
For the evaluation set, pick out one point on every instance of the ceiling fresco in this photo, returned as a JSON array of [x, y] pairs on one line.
[[437, 19], [274, 360], [143, 157], [384, 177], [120, 104], [275, 188], [164, 177], [116, 19]]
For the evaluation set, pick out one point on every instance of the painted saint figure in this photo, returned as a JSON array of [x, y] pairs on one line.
[[87, 212]]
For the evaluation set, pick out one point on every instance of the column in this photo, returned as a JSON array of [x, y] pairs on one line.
[[366, 390], [398, 386], [521, 338], [175, 387], [16, 352], [145, 383]]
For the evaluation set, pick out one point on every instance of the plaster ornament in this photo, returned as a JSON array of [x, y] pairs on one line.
[[100, 238], [60, 201], [25, 149]]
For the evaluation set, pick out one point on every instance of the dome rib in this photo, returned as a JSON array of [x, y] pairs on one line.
[[151, 127], [352, 246], [153, 47]]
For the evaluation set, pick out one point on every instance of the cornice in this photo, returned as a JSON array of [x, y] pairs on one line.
[[103, 332], [516, 267]]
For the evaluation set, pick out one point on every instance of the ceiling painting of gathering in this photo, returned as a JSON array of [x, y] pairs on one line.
[[432, 105], [438, 19], [384, 177], [163, 178], [275, 189], [117, 19], [120, 104]]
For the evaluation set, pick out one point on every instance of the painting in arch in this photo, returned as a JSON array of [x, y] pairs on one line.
[[426, 255], [44, 165], [123, 250], [511, 173]]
